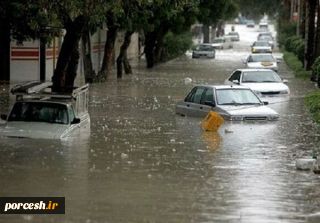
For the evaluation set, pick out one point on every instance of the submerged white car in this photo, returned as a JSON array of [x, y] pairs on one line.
[[262, 60], [235, 103], [38, 113], [262, 81], [222, 43]]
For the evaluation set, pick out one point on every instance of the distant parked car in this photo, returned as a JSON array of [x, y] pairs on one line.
[[204, 50], [262, 60], [222, 43], [261, 47], [234, 36], [235, 103], [262, 81], [263, 26], [250, 24]]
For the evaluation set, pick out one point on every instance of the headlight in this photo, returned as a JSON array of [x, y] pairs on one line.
[[273, 117], [236, 118], [284, 92]]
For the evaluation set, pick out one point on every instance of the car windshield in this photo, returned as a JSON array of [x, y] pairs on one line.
[[261, 58], [260, 77], [261, 43], [39, 112], [236, 97], [265, 38], [205, 48]]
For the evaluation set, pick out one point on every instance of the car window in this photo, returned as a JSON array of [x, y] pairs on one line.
[[207, 96], [235, 76], [261, 58], [71, 114], [39, 112], [190, 95], [196, 97]]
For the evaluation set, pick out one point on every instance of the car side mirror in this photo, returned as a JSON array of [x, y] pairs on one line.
[[235, 82], [75, 121], [4, 117], [210, 103], [265, 103]]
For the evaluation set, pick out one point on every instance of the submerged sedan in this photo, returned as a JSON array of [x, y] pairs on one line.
[[262, 81], [235, 103], [262, 60], [204, 50]]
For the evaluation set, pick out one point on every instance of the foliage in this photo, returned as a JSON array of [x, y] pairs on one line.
[[296, 65], [210, 12], [176, 45], [255, 9], [312, 101], [285, 31], [295, 44]]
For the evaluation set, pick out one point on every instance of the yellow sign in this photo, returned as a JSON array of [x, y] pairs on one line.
[[212, 121]]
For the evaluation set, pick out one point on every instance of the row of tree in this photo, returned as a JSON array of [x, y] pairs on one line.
[[303, 16], [43, 19]]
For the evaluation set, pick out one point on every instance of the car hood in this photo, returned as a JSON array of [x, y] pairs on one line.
[[37, 130], [248, 110], [267, 87], [262, 64]]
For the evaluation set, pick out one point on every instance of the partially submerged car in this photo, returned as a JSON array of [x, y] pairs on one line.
[[262, 60], [204, 50], [250, 24], [40, 113], [222, 43], [235, 103], [261, 47], [234, 36], [263, 81], [268, 39]]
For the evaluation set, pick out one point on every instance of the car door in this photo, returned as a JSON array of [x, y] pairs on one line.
[[207, 101], [192, 102], [235, 77]]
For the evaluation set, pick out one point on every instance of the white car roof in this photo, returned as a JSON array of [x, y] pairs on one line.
[[253, 69], [224, 86]]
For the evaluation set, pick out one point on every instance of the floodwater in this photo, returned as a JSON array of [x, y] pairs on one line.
[[142, 163]]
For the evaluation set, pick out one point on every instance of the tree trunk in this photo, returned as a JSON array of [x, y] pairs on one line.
[[317, 51], [303, 19], [158, 50], [150, 41], [310, 33], [122, 58], [67, 64], [89, 73], [108, 57], [4, 51], [206, 34]]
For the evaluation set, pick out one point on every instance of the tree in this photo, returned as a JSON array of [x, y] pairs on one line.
[[75, 16], [211, 12]]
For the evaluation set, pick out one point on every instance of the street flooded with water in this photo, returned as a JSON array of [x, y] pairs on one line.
[[143, 163]]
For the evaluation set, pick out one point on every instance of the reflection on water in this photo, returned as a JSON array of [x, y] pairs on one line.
[[143, 163]]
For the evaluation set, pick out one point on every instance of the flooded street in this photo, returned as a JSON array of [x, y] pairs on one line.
[[143, 163]]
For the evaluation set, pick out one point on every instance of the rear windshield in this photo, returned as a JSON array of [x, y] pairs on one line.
[[260, 77], [39, 112], [262, 43], [205, 48], [261, 58]]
